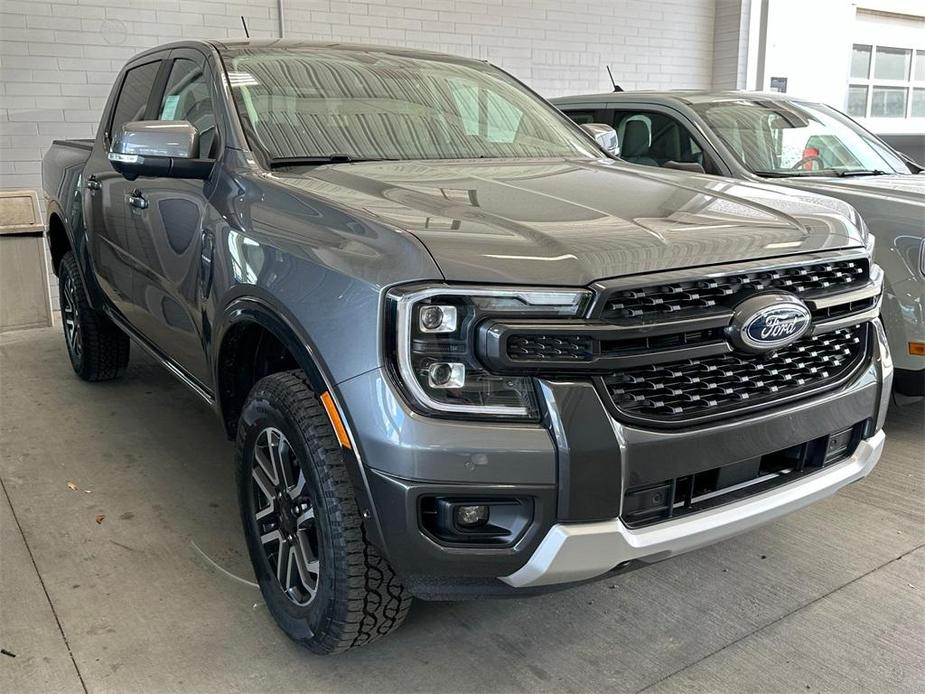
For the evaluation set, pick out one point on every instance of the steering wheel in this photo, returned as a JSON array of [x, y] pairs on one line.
[[806, 160]]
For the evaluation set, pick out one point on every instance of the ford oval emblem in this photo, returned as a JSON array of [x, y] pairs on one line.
[[769, 321]]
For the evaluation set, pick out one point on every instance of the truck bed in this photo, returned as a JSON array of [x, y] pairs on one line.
[[62, 167]]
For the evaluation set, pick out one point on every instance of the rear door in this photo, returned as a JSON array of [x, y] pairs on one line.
[[174, 226], [107, 195]]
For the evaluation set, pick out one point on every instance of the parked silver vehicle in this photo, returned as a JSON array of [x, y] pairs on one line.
[[800, 144]]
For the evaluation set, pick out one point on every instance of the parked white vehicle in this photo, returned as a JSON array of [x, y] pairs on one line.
[[799, 144]]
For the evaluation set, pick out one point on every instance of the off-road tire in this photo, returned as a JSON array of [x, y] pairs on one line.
[[98, 350], [359, 598]]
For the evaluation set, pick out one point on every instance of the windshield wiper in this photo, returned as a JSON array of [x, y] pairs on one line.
[[279, 162], [791, 174], [860, 172]]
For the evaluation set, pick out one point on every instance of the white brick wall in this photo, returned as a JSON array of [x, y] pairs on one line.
[[58, 58]]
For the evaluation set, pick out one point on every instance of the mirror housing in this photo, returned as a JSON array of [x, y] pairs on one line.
[[691, 166], [605, 136], [161, 148]]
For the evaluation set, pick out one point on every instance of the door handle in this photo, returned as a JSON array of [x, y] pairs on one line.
[[93, 183], [138, 200]]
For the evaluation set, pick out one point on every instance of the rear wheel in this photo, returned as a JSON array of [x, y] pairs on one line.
[[98, 350], [325, 585]]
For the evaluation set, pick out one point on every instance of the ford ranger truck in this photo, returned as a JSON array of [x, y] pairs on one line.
[[462, 350]]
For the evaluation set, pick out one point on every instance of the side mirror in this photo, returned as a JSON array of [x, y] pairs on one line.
[[605, 136], [691, 166], [161, 148]]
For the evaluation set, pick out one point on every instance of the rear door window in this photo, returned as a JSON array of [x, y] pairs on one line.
[[132, 102]]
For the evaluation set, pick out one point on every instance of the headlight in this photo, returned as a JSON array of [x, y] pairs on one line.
[[432, 336]]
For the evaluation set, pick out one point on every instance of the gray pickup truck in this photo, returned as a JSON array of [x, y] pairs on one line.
[[462, 349]]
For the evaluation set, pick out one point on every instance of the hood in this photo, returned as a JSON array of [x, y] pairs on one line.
[[889, 204], [899, 187], [562, 222]]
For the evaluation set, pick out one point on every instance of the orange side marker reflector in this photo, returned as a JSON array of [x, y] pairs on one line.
[[917, 348], [336, 422]]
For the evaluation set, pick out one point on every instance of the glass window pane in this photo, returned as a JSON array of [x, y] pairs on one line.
[[860, 61], [857, 101], [918, 103], [133, 98], [888, 102], [919, 66], [187, 97], [892, 63]]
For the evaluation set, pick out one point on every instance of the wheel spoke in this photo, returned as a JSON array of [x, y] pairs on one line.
[[306, 564], [262, 456], [284, 567], [282, 563], [282, 457], [272, 536], [306, 516], [298, 489], [264, 484]]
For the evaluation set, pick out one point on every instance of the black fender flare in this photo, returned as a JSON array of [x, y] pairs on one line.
[[78, 245], [249, 308]]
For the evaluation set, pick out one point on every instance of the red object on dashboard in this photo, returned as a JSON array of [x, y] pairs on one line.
[[809, 152]]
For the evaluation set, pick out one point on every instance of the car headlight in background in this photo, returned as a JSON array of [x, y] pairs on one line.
[[432, 335]]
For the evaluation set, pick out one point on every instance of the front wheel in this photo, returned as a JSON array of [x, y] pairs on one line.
[[325, 585], [98, 350]]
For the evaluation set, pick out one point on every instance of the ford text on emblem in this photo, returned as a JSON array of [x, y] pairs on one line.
[[768, 321]]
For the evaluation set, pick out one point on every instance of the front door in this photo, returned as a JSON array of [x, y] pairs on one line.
[[173, 227]]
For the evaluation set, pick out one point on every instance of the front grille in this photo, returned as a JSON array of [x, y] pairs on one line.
[[685, 390], [675, 299], [662, 349]]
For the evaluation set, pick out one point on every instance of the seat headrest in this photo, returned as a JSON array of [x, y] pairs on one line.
[[635, 139]]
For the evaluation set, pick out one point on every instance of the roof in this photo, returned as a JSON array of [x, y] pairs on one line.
[[330, 46], [684, 96]]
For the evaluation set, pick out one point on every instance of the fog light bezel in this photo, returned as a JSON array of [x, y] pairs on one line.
[[508, 519]]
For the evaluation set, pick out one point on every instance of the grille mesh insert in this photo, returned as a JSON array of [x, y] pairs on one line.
[[694, 388], [551, 347], [676, 298]]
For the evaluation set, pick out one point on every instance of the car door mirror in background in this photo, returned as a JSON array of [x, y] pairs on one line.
[[161, 148], [691, 166], [605, 136]]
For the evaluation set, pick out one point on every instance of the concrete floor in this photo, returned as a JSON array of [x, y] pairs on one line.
[[141, 582]]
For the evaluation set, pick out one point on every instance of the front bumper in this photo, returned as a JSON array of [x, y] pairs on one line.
[[576, 552], [576, 466]]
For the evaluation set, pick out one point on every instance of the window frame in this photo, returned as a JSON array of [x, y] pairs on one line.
[[869, 83]]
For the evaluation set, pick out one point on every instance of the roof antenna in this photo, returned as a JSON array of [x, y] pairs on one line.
[[616, 87], [246, 32]]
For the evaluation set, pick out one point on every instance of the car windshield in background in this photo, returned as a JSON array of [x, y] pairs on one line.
[[784, 138], [311, 105]]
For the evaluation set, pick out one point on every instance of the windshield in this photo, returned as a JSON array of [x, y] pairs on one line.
[[355, 105], [777, 137]]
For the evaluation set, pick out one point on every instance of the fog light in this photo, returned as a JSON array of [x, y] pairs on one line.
[[437, 319], [446, 375], [471, 516]]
